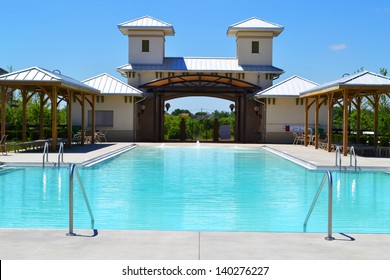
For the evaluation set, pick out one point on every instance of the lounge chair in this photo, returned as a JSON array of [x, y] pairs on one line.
[[101, 136], [3, 147], [298, 138]]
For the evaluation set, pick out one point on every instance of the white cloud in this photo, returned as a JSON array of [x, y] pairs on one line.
[[338, 47]]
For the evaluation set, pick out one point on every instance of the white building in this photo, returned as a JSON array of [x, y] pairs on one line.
[[138, 113]]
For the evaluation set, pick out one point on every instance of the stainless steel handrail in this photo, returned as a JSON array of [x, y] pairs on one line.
[[45, 154], [352, 153], [328, 176], [60, 154], [338, 157], [73, 171]]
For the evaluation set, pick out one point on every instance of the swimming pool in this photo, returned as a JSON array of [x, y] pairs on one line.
[[196, 188]]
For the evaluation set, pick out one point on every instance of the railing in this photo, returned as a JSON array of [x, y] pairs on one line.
[[60, 157], [73, 171], [352, 153], [338, 157], [328, 176], [45, 155]]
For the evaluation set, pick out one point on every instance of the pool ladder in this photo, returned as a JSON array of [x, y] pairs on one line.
[[352, 153], [72, 171], [327, 176], [45, 155]]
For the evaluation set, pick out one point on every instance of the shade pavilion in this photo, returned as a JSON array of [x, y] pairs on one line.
[[51, 86], [346, 91]]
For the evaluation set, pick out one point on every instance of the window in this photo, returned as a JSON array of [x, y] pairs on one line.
[[145, 45], [102, 118], [255, 47]]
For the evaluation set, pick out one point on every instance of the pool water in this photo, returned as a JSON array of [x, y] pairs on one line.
[[195, 188]]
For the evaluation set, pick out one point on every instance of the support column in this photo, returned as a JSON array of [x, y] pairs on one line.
[[345, 122], [93, 119], [24, 115], [330, 122], [82, 118], [306, 129], [69, 119], [358, 106], [54, 119], [316, 121], [3, 108]]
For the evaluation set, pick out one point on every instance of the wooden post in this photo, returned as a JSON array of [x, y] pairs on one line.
[[93, 119], [307, 107], [54, 95], [330, 122], [345, 121], [69, 119], [3, 105], [316, 121], [376, 114], [82, 118], [24, 105], [358, 106]]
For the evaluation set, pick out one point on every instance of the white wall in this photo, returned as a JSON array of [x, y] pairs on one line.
[[244, 48], [156, 49], [122, 129]]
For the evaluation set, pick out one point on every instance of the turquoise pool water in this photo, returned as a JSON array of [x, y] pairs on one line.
[[195, 188]]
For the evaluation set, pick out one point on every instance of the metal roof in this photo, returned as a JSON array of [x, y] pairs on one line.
[[146, 23], [109, 85], [362, 80], [200, 64], [290, 87], [254, 24], [36, 75]]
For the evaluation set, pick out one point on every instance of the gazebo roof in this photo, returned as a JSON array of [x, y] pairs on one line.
[[33, 77], [109, 85], [362, 82], [254, 24], [290, 87], [146, 23]]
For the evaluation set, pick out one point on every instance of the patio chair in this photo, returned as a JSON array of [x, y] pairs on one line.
[[3, 147], [101, 136], [298, 138]]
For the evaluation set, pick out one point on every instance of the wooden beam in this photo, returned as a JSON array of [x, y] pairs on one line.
[[316, 121], [345, 122], [330, 122], [24, 116], [3, 108], [307, 107], [54, 95], [82, 118], [93, 119], [69, 119]]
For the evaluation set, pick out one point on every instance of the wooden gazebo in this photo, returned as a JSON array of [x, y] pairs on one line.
[[50, 86], [346, 91]]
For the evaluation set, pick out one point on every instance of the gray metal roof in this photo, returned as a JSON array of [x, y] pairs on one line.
[[2, 71], [363, 79], [146, 23], [109, 85], [36, 74], [200, 64], [290, 87], [254, 24]]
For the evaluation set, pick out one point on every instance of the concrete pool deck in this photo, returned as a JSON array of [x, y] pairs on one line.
[[42, 244]]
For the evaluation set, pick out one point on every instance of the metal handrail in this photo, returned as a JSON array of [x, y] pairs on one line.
[[60, 154], [328, 176], [73, 171], [338, 157], [45, 154], [352, 153]]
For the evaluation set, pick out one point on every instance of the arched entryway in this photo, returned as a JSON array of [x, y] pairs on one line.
[[240, 93]]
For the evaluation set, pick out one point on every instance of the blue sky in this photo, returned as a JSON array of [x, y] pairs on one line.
[[322, 40]]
